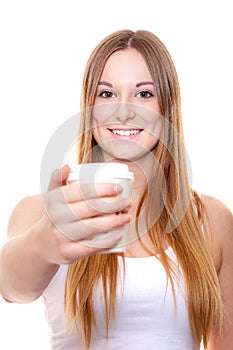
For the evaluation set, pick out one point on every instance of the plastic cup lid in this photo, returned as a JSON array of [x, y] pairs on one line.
[[97, 171]]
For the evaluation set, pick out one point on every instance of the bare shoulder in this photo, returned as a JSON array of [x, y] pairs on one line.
[[219, 221], [220, 216], [25, 214]]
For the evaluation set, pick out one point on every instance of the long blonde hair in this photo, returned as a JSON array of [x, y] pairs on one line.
[[203, 297]]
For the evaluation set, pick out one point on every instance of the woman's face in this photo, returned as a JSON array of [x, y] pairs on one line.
[[126, 121]]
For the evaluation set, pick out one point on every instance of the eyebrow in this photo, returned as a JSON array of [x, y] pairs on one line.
[[137, 85], [144, 83], [105, 83]]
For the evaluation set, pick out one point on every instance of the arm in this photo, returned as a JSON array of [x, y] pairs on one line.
[[40, 240], [221, 226], [24, 272]]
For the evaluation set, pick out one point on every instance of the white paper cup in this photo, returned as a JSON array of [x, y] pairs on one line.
[[93, 173]]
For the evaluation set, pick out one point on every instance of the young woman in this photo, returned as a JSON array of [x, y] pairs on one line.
[[172, 288]]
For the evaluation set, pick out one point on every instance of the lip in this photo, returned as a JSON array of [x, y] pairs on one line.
[[127, 133]]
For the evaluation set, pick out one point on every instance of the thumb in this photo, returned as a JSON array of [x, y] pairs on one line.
[[58, 177]]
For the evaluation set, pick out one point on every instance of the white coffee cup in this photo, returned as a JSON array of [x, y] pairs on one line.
[[93, 173]]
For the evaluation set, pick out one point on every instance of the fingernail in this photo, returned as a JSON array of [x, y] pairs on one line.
[[65, 167], [118, 188], [126, 218]]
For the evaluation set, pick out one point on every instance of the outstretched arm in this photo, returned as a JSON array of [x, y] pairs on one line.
[[42, 237]]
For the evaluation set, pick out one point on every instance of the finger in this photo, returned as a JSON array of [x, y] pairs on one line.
[[77, 250], [93, 246], [58, 177], [76, 217], [95, 207], [88, 229], [79, 191]]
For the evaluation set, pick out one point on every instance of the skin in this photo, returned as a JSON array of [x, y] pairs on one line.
[[220, 223], [38, 239], [126, 100]]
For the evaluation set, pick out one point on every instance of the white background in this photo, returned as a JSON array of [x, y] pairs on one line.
[[44, 48]]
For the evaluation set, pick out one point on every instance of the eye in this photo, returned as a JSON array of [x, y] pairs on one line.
[[106, 94], [145, 94]]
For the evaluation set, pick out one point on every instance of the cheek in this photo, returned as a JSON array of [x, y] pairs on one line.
[[153, 132], [96, 124], [158, 127], [96, 119], [96, 134], [98, 131], [149, 140], [97, 116], [103, 113]]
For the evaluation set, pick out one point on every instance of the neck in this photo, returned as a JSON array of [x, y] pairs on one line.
[[141, 169]]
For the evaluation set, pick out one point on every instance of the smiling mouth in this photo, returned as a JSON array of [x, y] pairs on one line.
[[127, 132]]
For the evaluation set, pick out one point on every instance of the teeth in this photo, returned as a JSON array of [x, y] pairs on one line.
[[126, 132]]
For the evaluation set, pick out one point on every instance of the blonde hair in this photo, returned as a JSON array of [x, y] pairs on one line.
[[202, 290]]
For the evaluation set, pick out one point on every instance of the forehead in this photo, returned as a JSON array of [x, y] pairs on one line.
[[125, 64]]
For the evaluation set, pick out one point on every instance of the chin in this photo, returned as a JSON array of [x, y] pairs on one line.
[[125, 157], [125, 150]]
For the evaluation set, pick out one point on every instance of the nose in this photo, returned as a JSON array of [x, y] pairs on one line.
[[124, 112]]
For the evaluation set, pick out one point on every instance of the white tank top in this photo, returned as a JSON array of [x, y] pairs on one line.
[[145, 317]]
